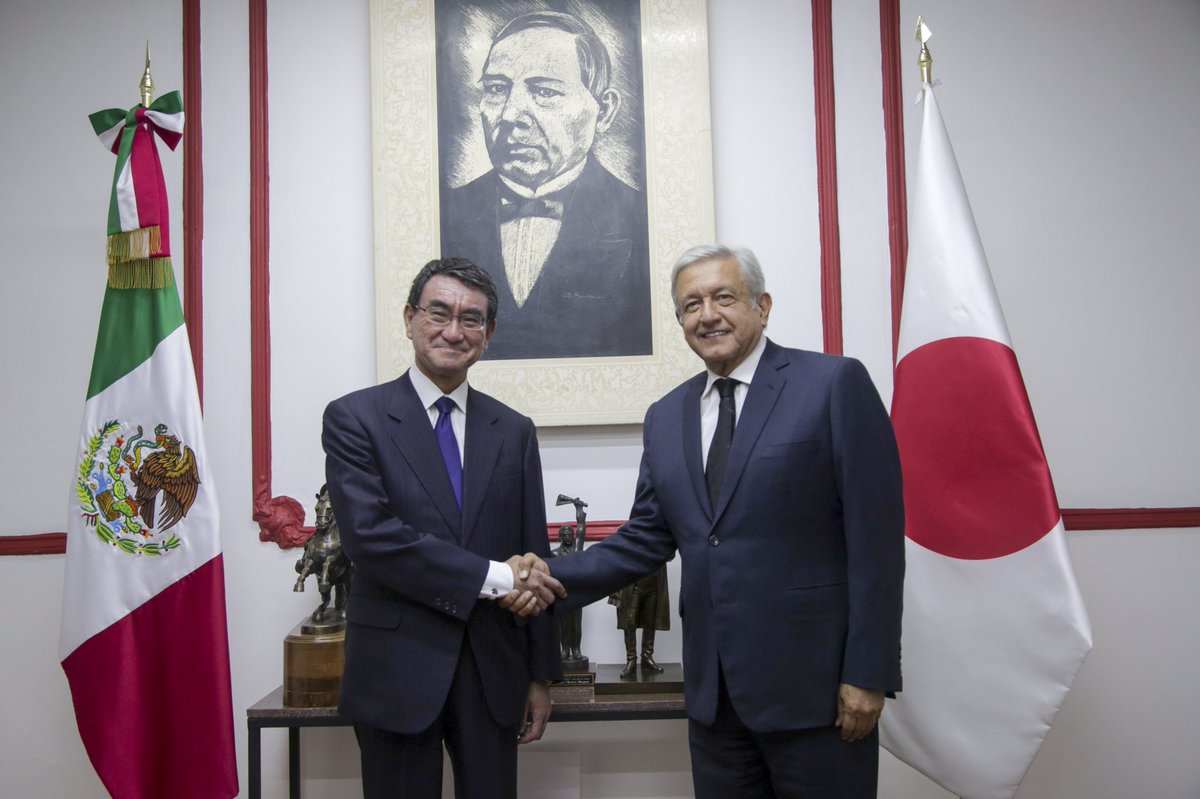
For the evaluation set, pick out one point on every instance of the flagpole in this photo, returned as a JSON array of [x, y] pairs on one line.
[[924, 58], [925, 63], [146, 85]]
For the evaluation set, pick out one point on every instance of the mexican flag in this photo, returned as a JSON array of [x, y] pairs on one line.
[[994, 625], [143, 640]]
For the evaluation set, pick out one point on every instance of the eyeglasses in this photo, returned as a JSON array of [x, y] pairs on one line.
[[693, 305], [440, 317]]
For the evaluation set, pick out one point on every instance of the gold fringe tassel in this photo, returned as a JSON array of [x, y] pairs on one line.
[[134, 245], [143, 273]]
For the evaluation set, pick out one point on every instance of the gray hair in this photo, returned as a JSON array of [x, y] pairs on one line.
[[747, 263]]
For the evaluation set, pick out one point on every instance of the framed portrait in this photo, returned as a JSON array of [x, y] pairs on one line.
[[565, 148]]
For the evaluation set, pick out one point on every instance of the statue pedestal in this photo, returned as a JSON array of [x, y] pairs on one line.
[[576, 665], [609, 680], [313, 657], [578, 682]]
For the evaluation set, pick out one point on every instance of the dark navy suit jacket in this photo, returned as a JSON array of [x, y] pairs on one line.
[[420, 561], [794, 581], [592, 297]]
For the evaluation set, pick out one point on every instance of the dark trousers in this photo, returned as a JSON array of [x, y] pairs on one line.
[[483, 754], [731, 761]]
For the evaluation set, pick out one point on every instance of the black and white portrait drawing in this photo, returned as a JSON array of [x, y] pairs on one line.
[[541, 148]]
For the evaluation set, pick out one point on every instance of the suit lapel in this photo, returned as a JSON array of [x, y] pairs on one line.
[[769, 379], [482, 451], [413, 436], [693, 452]]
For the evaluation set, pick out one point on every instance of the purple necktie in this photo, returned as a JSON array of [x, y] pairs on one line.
[[449, 445]]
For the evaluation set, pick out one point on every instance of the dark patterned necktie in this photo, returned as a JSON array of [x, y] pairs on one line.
[[448, 443], [718, 450]]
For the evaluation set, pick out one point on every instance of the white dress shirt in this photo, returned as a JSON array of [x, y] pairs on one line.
[[710, 399], [526, 242]]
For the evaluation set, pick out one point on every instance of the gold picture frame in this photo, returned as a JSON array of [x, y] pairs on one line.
[[679, 192]]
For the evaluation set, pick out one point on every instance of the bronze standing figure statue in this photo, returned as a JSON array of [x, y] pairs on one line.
[[570, 623], [323, 556], [644, 605]]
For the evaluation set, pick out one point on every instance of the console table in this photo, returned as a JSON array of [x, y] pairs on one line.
[[661, 699]]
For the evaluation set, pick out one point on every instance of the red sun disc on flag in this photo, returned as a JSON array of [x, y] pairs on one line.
[[976, 483]]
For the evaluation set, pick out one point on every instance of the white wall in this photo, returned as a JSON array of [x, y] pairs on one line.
[[1081, 173]]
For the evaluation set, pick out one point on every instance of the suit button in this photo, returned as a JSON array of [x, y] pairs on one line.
[[712, 539]]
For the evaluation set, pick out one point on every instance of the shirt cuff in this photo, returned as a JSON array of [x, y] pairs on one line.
[[499, 581]]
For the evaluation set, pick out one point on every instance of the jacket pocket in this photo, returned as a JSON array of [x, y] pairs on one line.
[[371, 612], [792, 449]]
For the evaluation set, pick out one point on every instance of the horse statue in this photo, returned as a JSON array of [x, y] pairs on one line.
[[323, 556]]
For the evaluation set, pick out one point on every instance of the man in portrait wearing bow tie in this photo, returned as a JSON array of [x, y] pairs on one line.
[[434, 484], [775, 475], [565, 240]]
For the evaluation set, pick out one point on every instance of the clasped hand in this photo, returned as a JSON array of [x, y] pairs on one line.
[[534, 589]]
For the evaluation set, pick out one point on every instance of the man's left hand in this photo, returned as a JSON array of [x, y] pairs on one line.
[[858, 711], [537, 712]]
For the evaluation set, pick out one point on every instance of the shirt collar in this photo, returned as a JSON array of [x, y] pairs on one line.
[[743, 372], [549, 187], [428, 393]]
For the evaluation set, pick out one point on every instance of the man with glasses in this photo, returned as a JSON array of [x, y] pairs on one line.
[[433, 485], [787, 512]]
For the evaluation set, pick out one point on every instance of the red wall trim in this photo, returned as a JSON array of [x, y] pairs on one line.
[[38, 544], [827, 188], [893, 134], [193, 191], [280, 519], [596, 531], [1130, 518], [1077, 519]]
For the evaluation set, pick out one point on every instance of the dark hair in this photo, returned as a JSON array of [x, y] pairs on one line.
[[461, 270], [595, 69]]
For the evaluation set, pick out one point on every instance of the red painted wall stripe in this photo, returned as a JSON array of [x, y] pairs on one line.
[[827, 188], [893, 135], [193, 191]]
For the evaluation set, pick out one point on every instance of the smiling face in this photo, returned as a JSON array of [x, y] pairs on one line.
[[444, 354], [539, 119], [721, 322]]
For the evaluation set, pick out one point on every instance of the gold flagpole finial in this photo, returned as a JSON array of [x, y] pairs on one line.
[[147, 84], [924, 59]]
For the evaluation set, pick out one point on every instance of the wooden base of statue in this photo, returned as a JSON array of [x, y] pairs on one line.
[[578, 682], [313, 657]]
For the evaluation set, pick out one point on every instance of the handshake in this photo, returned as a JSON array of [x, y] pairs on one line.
[[534, 589]]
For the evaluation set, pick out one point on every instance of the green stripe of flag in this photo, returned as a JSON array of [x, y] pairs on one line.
[[132, 323]]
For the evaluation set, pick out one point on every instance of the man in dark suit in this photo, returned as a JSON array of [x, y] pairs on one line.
[[788, 513], [433, 484], [565, 240]]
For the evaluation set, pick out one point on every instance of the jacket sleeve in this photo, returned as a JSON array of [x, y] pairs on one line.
[[545, 658], [868, 478], [639, 547]]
